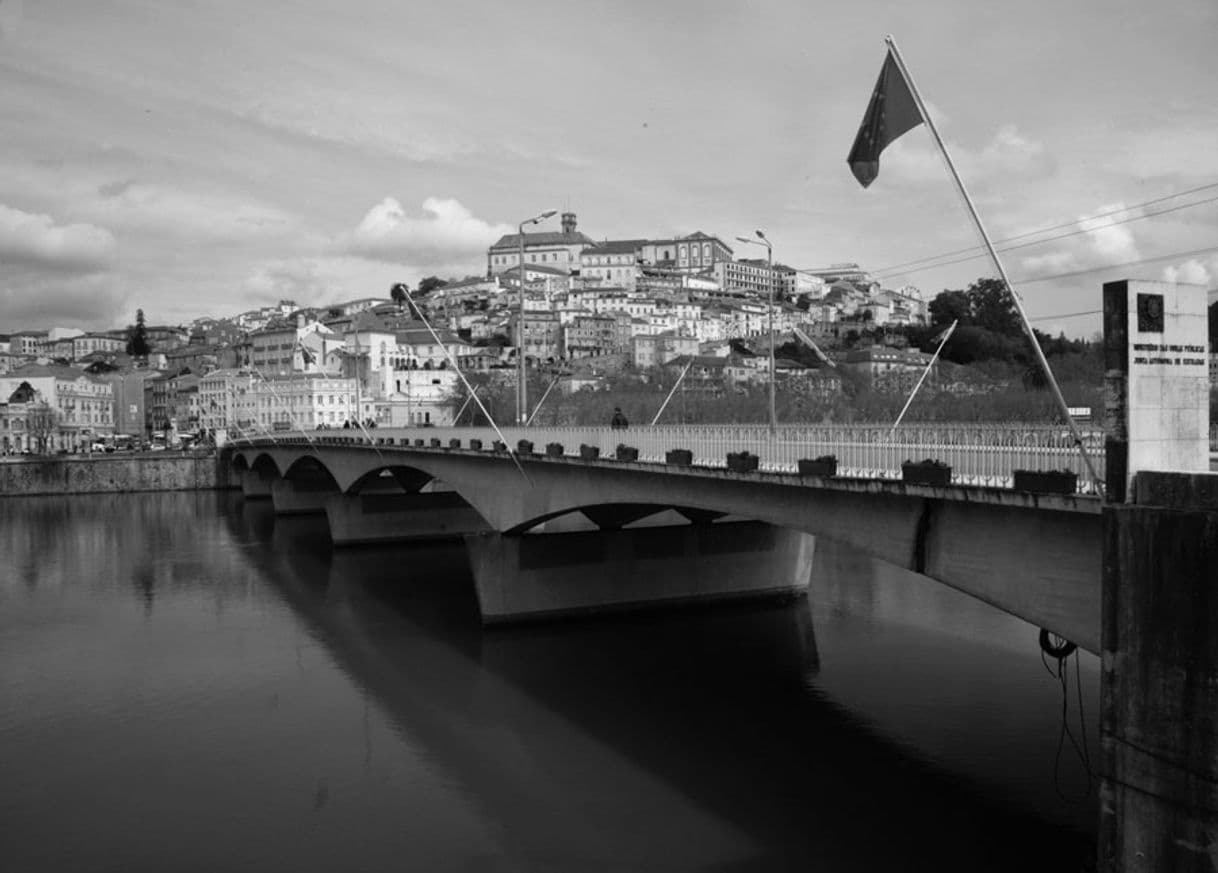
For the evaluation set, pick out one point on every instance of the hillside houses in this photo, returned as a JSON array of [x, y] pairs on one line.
[[629, 302]]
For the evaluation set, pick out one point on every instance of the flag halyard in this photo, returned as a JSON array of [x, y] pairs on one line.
[[891, 113]]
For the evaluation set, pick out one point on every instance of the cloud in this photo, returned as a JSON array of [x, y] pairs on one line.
[[915, 158], [298, 280], [1194, 272], [446, 233], [30, 300], [1114, 243], [1052, 262], [144, 208], [11, 13], [1105, 243], [114, 189], [36, 240], [1010, 151]]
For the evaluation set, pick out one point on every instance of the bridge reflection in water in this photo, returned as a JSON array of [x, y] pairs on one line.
[[713, 737], [193, 683]]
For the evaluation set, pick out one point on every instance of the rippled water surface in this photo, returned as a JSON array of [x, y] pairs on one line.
[[189, 683]]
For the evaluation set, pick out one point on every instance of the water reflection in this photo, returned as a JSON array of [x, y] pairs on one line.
[[718, 702], [263, 702]]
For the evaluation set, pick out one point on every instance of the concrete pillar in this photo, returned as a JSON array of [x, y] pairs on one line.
[[536, 575], [1159, 688], [306, 496], [1156, 379], [393, 517], [256, 484]]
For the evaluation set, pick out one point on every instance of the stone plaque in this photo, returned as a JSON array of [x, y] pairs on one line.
[[1150, 313]]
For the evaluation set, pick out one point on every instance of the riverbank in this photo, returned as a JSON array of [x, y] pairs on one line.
[[96, 474]]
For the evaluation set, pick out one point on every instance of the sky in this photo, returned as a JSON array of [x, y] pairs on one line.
[[205, 157]]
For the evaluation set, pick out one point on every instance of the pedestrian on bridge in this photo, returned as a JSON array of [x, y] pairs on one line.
[[618, 422]]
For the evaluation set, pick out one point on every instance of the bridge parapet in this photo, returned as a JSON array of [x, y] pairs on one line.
[[985, 455]]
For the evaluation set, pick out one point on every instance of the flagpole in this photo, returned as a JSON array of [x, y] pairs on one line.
[[946, 336], [675, 386], [989, 245], [537, 408]]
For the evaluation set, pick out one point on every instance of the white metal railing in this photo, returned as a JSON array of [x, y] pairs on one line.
[[978, 454]]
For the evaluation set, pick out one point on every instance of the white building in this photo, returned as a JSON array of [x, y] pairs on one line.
[[81, 407], [282, 351], [307, 401], [547, 248], [613, 262], [412, 398]]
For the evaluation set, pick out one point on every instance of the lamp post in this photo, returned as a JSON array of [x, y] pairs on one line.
[[769, 264], [522, 397]]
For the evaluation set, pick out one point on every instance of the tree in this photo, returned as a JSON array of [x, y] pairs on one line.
[[398, 293], [431, 283], [137, 337], [40, 423], [993, 307], [949, 306]]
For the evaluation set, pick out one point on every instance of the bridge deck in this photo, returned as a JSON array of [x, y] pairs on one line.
[[979, 455]]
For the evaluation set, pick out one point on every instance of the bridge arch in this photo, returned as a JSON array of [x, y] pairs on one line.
[[265, 461], [619, 515], [309, 467], [409, 478]]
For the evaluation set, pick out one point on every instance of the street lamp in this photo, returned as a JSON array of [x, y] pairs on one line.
[[769, 264], [522, 397]]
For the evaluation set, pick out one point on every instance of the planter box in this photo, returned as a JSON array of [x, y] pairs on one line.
[[388, 441], [742, 462], [475, 445], [824, 467], [553, 450], [589, 453], [419, 443], [454, 443], [524, 447], [499, 446], [926, 473], [679, 457], [627, 453], [435, 442], [1046, 481]]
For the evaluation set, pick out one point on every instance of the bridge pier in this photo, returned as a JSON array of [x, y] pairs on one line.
[[384, 516], [302, 496], [542, 575], [1159, 691], [256, 484]]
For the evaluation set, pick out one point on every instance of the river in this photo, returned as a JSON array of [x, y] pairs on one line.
[[189, 683]]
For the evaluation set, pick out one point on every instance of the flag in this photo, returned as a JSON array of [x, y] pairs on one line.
[[891, 112]]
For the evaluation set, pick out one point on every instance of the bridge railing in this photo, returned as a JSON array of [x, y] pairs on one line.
[[978, 454]]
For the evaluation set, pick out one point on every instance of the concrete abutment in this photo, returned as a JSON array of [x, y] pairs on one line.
[[546, 575], [256, 484], [1159, 687], [383, 516], [302, 496]]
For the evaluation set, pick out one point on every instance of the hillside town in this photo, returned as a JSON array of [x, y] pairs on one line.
[[590, 309]]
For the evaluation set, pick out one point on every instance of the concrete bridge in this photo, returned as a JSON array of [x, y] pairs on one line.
[[558, 532], [576, 525]]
